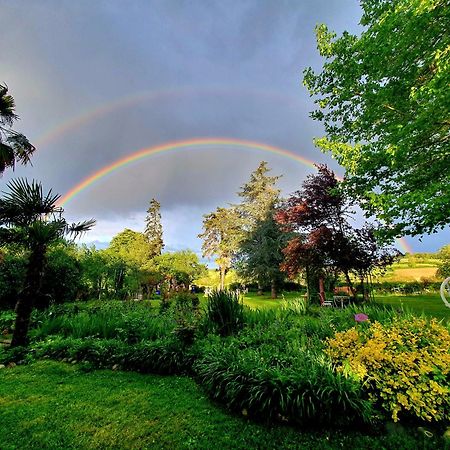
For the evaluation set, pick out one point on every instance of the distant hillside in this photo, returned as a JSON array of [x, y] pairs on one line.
[[412, 267]]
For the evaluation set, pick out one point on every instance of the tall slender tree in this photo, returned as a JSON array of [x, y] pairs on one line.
[[259, 198], [14, 146], [153, 228], [221, 236]]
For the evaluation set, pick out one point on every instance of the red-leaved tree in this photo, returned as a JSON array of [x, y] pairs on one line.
[[325, 241]]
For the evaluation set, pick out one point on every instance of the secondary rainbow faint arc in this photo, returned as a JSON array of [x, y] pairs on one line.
[[178, 145], [132, 99]]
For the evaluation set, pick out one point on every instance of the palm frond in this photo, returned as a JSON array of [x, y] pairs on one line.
[[21, 146], [79, 228], [7, 106], [6, 156], [26, 202]]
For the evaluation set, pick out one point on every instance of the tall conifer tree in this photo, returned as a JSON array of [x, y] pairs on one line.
[[259, 196], [153, 228]]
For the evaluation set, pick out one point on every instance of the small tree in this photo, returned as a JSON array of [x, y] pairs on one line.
[[444, 262], [179, 268], [32, 219], [260, 254]]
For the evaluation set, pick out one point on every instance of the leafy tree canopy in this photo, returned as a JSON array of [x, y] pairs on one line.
[[131, 246], [383, 98], [221, 237], [444, 262], [261, 254], [180, 267]]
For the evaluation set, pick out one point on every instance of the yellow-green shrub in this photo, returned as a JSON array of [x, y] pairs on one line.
[[404, 366]]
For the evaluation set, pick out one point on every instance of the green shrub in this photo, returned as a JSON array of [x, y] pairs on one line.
[[296, 385], [225, 312], [164, 356], [7, 319], [126, 322], [296, 305]]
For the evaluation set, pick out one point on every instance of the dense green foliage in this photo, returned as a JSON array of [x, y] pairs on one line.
[[32, 220], [225, 312], [444, 262], [221, 236], [383, 99], [261, 254]]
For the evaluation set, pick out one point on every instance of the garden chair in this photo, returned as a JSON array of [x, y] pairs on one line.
[[324, 301]]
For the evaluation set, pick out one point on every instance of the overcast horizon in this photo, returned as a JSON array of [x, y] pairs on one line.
[[95, 82]]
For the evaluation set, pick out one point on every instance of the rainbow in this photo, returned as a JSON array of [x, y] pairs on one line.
[[197, 143], [179, 145]]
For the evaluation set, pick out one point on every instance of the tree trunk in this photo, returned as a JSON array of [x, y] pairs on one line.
[[222, 277], [321, 291], [273, 289], [260, 288], [24, 305], [311, 285], [350, 285], [364, 289]]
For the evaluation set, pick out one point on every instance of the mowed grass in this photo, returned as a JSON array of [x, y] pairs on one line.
[[52, 405], [428, 304], [253, 300]]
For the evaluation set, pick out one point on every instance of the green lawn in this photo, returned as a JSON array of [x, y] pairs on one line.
[[429, 304], [52, 405]]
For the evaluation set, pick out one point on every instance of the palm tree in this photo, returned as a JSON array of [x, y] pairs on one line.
[[14, 146], [32, 219]]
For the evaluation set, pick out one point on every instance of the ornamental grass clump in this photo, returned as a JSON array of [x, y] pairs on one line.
[[404, 366], [225, 312], [279, 381]]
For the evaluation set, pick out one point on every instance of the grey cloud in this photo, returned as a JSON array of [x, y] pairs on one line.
[[234, 69]]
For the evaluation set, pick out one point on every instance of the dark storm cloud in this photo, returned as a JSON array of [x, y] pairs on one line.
[[222, 68]]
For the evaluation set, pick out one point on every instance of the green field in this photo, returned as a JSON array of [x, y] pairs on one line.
[[51, 405]]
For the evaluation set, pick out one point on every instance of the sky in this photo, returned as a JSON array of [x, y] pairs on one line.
[[95, 82]]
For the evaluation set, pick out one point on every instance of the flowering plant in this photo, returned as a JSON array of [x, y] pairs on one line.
[[404, 366]]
